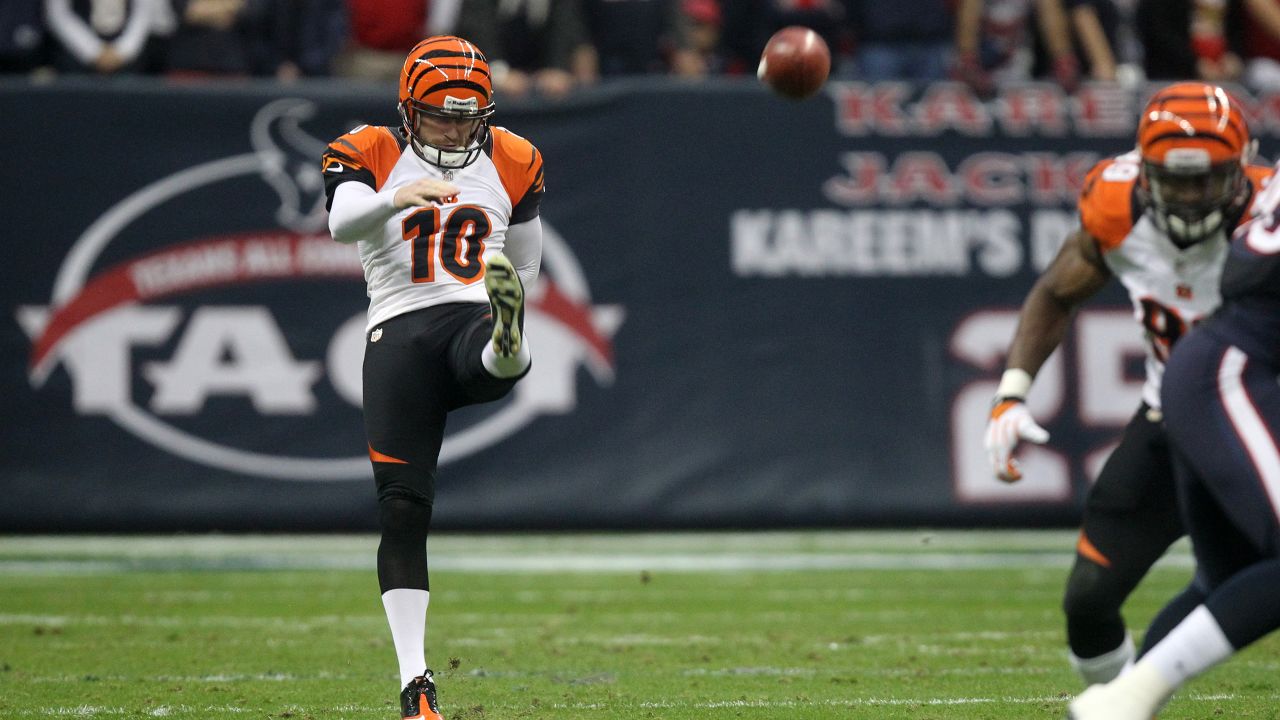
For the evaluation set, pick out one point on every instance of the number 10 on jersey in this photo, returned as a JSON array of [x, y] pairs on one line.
[[460, 241]]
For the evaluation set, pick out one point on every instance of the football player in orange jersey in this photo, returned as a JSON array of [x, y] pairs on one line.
[[1222, 412], [445, 211], [1158, 219]]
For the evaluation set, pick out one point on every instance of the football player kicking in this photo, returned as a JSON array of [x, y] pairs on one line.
[[1158, 219], [1222, 411], [445, 211]]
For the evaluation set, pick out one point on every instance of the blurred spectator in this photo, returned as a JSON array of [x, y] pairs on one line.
[[748, 24], [22, 35], [231, 38], [1094, 31], [635, 37], [101, 36], [1192, 39], [1262, 44], [538, 46], [1093, 26], [902, 40], [164, 23], [382, 32], [994, 43], [315, 32], [700, 54], [1126, 45]]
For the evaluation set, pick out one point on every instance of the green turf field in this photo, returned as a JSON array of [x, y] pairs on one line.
[[769, 625]]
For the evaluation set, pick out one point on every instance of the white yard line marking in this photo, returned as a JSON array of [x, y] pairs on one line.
[[559, 552], [85, 546], [281, 621], [578, 563], [90, 711]]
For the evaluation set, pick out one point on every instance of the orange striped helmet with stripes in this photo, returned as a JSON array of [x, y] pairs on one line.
[[445, 80], [1194, 143]]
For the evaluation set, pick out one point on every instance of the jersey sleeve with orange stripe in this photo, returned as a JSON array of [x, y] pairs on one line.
[[519, 167], [1109, 204], [366, 154]]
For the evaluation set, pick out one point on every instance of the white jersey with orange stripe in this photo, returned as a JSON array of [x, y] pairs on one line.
[[432, 255], [1171, 288]]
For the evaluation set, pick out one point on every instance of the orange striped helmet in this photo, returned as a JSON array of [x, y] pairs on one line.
[[1194, 143], [446, 77]]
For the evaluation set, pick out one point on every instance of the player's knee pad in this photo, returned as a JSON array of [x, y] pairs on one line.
[[406, 481], [1092, 591], [402, 552], [404, 519]]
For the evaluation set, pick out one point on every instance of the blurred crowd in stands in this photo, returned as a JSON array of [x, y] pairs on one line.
[[550, 47]]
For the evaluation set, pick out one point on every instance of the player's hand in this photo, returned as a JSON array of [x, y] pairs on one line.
[[423, 192], [514, 83], [1010, 423], [1232, 67], [108, 61], [968, 70], [553, 82], [1066, 70]]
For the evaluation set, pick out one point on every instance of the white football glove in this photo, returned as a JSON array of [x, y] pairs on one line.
[[1010, 423]]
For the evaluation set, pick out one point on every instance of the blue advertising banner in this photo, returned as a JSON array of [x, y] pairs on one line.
[[753, 312]]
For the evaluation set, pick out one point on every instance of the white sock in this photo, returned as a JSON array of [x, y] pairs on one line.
[[501, 367], [1195, 645], [1105, 667], [407, 614]]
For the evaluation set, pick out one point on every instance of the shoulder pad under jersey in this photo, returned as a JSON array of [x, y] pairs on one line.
[[519, 167], [1108, 203]]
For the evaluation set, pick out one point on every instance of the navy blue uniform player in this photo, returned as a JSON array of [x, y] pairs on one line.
[[1222, 411]]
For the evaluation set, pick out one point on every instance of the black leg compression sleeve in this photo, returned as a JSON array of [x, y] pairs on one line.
[[1130, 519], [1092, 606], [402, 554]]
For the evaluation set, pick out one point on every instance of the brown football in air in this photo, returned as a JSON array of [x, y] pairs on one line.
[[795, 62]]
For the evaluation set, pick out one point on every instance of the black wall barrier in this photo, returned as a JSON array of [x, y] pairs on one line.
[[753, 313]]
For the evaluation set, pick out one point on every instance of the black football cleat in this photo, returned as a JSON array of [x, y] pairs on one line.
[[418, 699]]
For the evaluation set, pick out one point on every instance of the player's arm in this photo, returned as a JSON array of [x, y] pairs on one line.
[[520, 168], [524, 249], [73, 32], [1075, 275], [129, 43], [357, 211]]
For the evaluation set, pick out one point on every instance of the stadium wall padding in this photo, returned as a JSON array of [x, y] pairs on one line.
[[754, 313]]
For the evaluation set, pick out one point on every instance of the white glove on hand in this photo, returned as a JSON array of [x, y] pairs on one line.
[[1010, 422]]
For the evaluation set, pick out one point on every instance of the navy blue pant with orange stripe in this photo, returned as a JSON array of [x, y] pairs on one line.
[[1222, 411], [418, 367]]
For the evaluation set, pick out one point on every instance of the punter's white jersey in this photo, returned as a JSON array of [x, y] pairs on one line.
[[1171, 289], [425, 256]]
